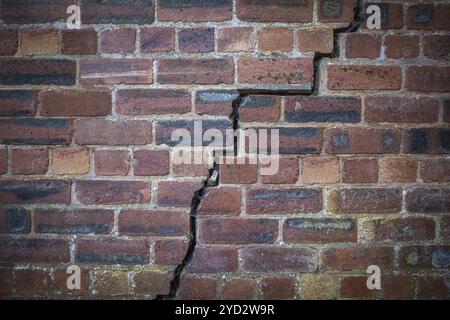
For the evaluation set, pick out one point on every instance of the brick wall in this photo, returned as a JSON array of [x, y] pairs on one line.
[[86, 162]]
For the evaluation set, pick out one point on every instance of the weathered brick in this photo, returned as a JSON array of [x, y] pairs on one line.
[[232, 171], [190, 170], [153, 223], [152, 282], [78, 221], [239, 288], [393, 287], [110, 282], [357, 257], [9, 41], [21, 71], [74, 103], [432, 287], [151, 162], [215, 102], [320, 170], [403, 229], [428, 200], [196, 11], [362, 46], [425, 140], [272, 201], [196, 40], [400, 46], [70, 160], [118, 12], [79, 42], [276, 259], [360, 170], [336, 10], [319, 230], [118, 40], [112, 192], [177, 193], [153, 101], [277, 288], [196, 71], [435, 169], [6, 282], [34, 191], [15, 221], [61, 276], [288, 172], [213, 260], [424, 257], [318, 286], [237, 230], [197, 288], [362, 140], [391, 15], [446, 110], [38, 41], [29, 161], [157, 39], [436, 46], [365, 200], [259, 108], [170, 252], [221, 201], [316, 39], [398, 169], [32, 282], [428, 79], [112, 162], [3, 160], [236, 39], [364, 77], [275, 39], [112, 251], [116, 71], [17, 103], [299, 140], [428, 17], [34, 250], [275, 10], [34, 11], [108, 132]]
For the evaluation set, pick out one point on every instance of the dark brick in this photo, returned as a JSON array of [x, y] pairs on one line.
[[195, 10], [336, 10], [196, 40], [275, 10], [424, 257], [423, 140], [33, 250], [15, 221], [34, 11], [430, 200], [32, 282], [79, 42], [391, 15], [118, 11], [9, 41], [436, 46], [435, 170], [35, 131], [277, 288], [17, 103], [197, 288], [34, 191], [428, 79], [299, 140], [215, 102]]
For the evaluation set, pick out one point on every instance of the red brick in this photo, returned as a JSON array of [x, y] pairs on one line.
[[198, 11], [359, 77], [197, 288], [112, 251], [259, 108], [75, 103], [70, 160], [61, 276], [232, 171], [196, 40], [275, 11], [221, 201], [196, 71], [79, 221], [153, 101], [275, 39], [3, 160], [25, 13], [235, 39], [190, 170], [435, 170], [355, 287], [79, 42], [15, 221], [38, 41], [151, 162], [428, 17], [113, 192], [391, 15], [108, 132], [17, 103], [237, 230], [320, 170], [403, 229], [397, 287], [112, 162], [118, 41], [32, 282], [6, 282], [34, 250], [400, 46], [428, 200], [29, 161], [291, 71], [153, 223], [117, 12], [276, 259], [9, 41], [336, 10], [34, 191], [278, 288], [398, 169], [152, 283], [428, 79], [288, 171], [436, 46], [365, 200], [319, 230], [316, 39], [177, 193], [362, 46], [213, 260], [170, 252], [432, 287], [272, 201], [362, 140], [215, 102], [357, 257], [116, 71], [360, 170], [239, 288], [157, 39]]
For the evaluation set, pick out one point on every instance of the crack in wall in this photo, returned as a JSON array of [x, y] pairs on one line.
[[212, 179]]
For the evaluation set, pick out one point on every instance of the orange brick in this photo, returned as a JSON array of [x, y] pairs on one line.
[[318, 40], [320, 170], [34, 42], [398, 169], [276, 39], [70, 160]]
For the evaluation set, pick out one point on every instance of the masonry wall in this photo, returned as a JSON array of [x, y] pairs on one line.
[[86, 161]]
